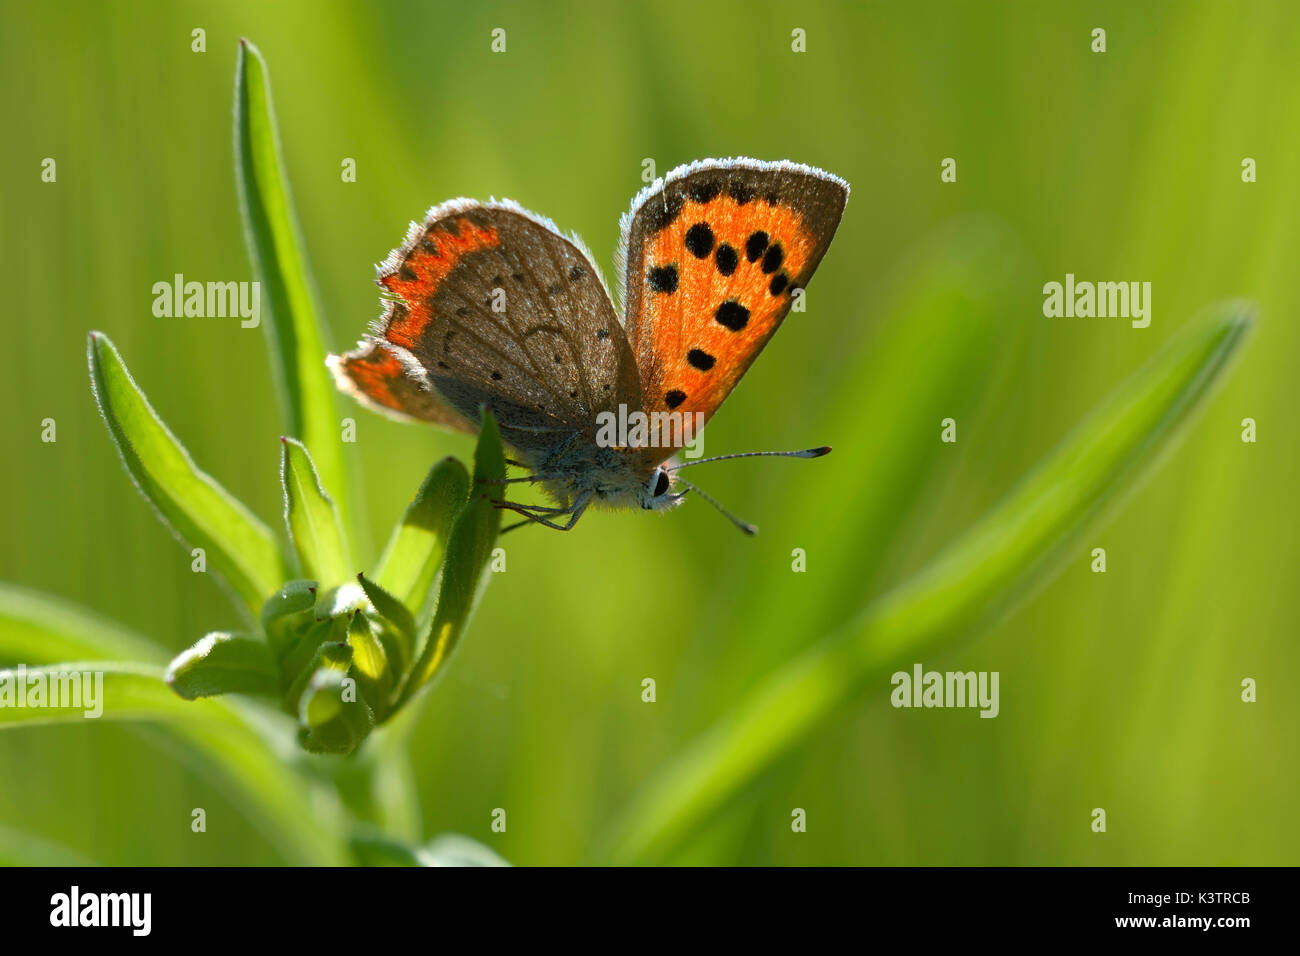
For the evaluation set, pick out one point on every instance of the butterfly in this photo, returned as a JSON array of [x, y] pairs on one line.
[[487, 305]]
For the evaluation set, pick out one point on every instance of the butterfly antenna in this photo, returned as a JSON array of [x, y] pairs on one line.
[[806, 453], [744, 526]]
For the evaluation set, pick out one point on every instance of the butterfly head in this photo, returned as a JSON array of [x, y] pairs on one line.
[[658, 494]]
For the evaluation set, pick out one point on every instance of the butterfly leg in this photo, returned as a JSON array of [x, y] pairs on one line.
[[574, 511], [535, 509], [512, 481]]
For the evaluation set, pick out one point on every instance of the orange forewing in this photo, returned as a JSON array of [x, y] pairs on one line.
[[695, 350]]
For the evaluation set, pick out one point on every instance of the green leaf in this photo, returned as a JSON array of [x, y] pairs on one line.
[[389, 607], [370, 664], [329, 722], [239, 547], [469, 548], [314, 524], [223, 663], [414, 553], [329, 649], [978, 578], [293, 329], [489, 459], [398, 630]]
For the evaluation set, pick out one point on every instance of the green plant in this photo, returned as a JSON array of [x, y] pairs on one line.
[[336, 654]]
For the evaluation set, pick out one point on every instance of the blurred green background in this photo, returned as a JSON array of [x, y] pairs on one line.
[[1118, 690]]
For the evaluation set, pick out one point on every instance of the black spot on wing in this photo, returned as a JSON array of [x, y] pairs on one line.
[[727, 259], [732, 315], [773, 258], [664, 279], [700, 359], [699, 240]]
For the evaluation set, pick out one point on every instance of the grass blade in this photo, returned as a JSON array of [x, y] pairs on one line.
[[312, 519], [239, 547], [38, 628], [293, 329], [979, 577]]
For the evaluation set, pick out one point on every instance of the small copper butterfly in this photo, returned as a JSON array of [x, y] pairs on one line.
[[488, 305]]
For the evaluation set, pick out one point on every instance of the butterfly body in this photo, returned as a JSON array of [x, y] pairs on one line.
[[488, 305], [604, 477]]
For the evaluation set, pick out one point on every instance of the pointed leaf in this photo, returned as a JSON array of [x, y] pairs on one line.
[[399, 630], [370, 664], [469, 548], [223, 663], [293, 329], [199, 511], [313, 521], [389, 607], [489, 459], [414, 553]]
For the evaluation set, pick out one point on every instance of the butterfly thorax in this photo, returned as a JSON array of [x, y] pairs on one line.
[[613, 477]]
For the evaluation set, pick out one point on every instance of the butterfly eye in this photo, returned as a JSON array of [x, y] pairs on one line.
[[661, 482]]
